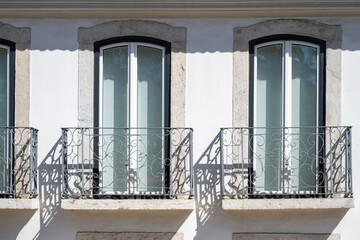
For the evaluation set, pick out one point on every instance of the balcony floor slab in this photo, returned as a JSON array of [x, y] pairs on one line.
[[10, 203], [287, 204], [128, 204]]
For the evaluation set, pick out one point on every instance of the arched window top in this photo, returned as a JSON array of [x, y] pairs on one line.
[[135, 71], [174, 40], [117, 41], [305, 40], [287, 76]]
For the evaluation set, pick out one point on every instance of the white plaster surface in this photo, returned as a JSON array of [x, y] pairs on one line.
[[128, 204], [129, 236], [19, 203], [53, 104], [289, 204], [284, 236]]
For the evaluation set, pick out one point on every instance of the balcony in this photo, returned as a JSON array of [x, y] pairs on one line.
[[18, 168], [283, 163], [127, 168]]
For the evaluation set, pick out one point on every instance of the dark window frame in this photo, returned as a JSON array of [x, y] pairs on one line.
[[11, 105], [167, 114], [322, 103], [11, 97]]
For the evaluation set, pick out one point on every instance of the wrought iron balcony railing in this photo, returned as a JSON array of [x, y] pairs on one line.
[[18, 162], [127, 162], [271, 162]]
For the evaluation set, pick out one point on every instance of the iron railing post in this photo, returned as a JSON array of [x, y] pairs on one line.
[[82, 164], [349, 158], [64, 142], [12, 187], [222, 162], [242, 161], [191, 164], [170, 162], [31, 162], [331, 164], [36, 160]]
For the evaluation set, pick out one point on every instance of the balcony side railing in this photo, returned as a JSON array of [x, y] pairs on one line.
[[288, 161], [127, 162], [18, 162]]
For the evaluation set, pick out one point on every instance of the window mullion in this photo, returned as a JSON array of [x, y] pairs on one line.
[[133, 119], [287, 111], [133, 86], [287, 86]]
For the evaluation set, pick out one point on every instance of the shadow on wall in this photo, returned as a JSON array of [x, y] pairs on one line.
[[284, 221], [207, 189], [12, 222], [209, 211], [50, 186], [53, 220]]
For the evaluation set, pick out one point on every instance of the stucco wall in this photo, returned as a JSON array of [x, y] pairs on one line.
[[209, 79]]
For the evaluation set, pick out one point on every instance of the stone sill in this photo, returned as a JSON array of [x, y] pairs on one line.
[[128, 204], [287, 204], [9, 203]]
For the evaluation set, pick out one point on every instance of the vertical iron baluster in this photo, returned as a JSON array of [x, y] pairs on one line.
[[331, 164], [164, 133], [191, 164], [346, 130], [36, 161], [242, 160], [128, 176], [31, 162], [91, 164], [82, 164], [12, 188], [64, 160], [282, 165], [350, 163], [170, 163], [222, 161]]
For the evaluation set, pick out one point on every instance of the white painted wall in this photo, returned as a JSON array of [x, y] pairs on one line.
[[54, 62]]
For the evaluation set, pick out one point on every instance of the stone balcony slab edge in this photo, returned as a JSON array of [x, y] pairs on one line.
[[287, 204], [129, 204], [10, 203]]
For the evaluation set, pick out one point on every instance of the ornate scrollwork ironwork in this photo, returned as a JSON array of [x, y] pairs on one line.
[[301, 161], [18, 162], [127, 162]]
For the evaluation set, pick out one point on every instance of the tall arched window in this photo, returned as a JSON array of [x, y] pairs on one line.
[[286, 111], [131, 111]]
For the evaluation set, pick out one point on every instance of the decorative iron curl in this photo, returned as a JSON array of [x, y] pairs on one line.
[[127, 162], [273, 162]]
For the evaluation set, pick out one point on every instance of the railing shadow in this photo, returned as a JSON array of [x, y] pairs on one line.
[[50, 186], [207, 187]]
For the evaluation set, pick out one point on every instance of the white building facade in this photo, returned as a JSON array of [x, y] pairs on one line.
[[179, 120]]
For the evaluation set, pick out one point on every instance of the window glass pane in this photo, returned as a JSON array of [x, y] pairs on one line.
[[149, 112], [303, 113], [115, 115], [268, 110]]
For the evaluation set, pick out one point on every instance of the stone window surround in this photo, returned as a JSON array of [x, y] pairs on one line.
[[331, 34], [21, 36], [88, 36]]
